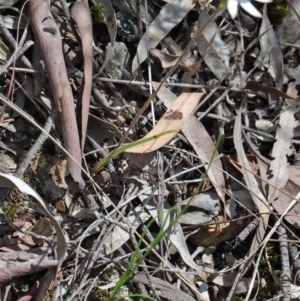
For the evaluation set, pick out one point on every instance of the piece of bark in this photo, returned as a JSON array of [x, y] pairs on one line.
[[82, 15], [49, 42], [20, 263]]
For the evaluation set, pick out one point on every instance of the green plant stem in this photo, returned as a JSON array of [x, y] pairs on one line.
[[136, 258], [124, 148]]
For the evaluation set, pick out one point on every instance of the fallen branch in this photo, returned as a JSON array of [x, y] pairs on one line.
[[49, 43]]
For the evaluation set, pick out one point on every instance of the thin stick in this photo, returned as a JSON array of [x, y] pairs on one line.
[[285, 276]]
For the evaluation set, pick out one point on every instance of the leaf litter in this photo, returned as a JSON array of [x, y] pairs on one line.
[[214, 162]]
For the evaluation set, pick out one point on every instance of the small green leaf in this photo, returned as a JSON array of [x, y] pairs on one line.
[[98, 11], [223, 5]]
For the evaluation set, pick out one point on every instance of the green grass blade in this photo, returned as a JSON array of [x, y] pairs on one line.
[[137, 258], [132, 263], [124, 148]]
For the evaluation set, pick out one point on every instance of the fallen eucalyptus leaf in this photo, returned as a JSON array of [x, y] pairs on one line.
[[169, 16], [174, 118], [215, 51], [193, 129]]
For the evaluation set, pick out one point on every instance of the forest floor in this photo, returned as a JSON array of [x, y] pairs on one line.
[[149, 150]]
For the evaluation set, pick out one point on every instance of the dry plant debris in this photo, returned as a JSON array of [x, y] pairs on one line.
[[193, 108]]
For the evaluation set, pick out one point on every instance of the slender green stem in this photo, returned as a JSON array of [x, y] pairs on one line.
[[124, 148], [137, 257], [282, 111]]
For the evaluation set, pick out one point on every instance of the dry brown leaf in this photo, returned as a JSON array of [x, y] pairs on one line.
[[291, 188], [42, 227], [102, 131], [167, 60], [270, 54], [80, 12], [19, 241], [214, 234], [251, 182], [173, 119], [215, 51], [281, 149], [234, 161], [17, 247], [58, 171], [201, 141], [255, 86], [169, 16]]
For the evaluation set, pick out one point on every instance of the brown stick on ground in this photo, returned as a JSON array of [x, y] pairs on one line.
[[49, 42], [82, 16]]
